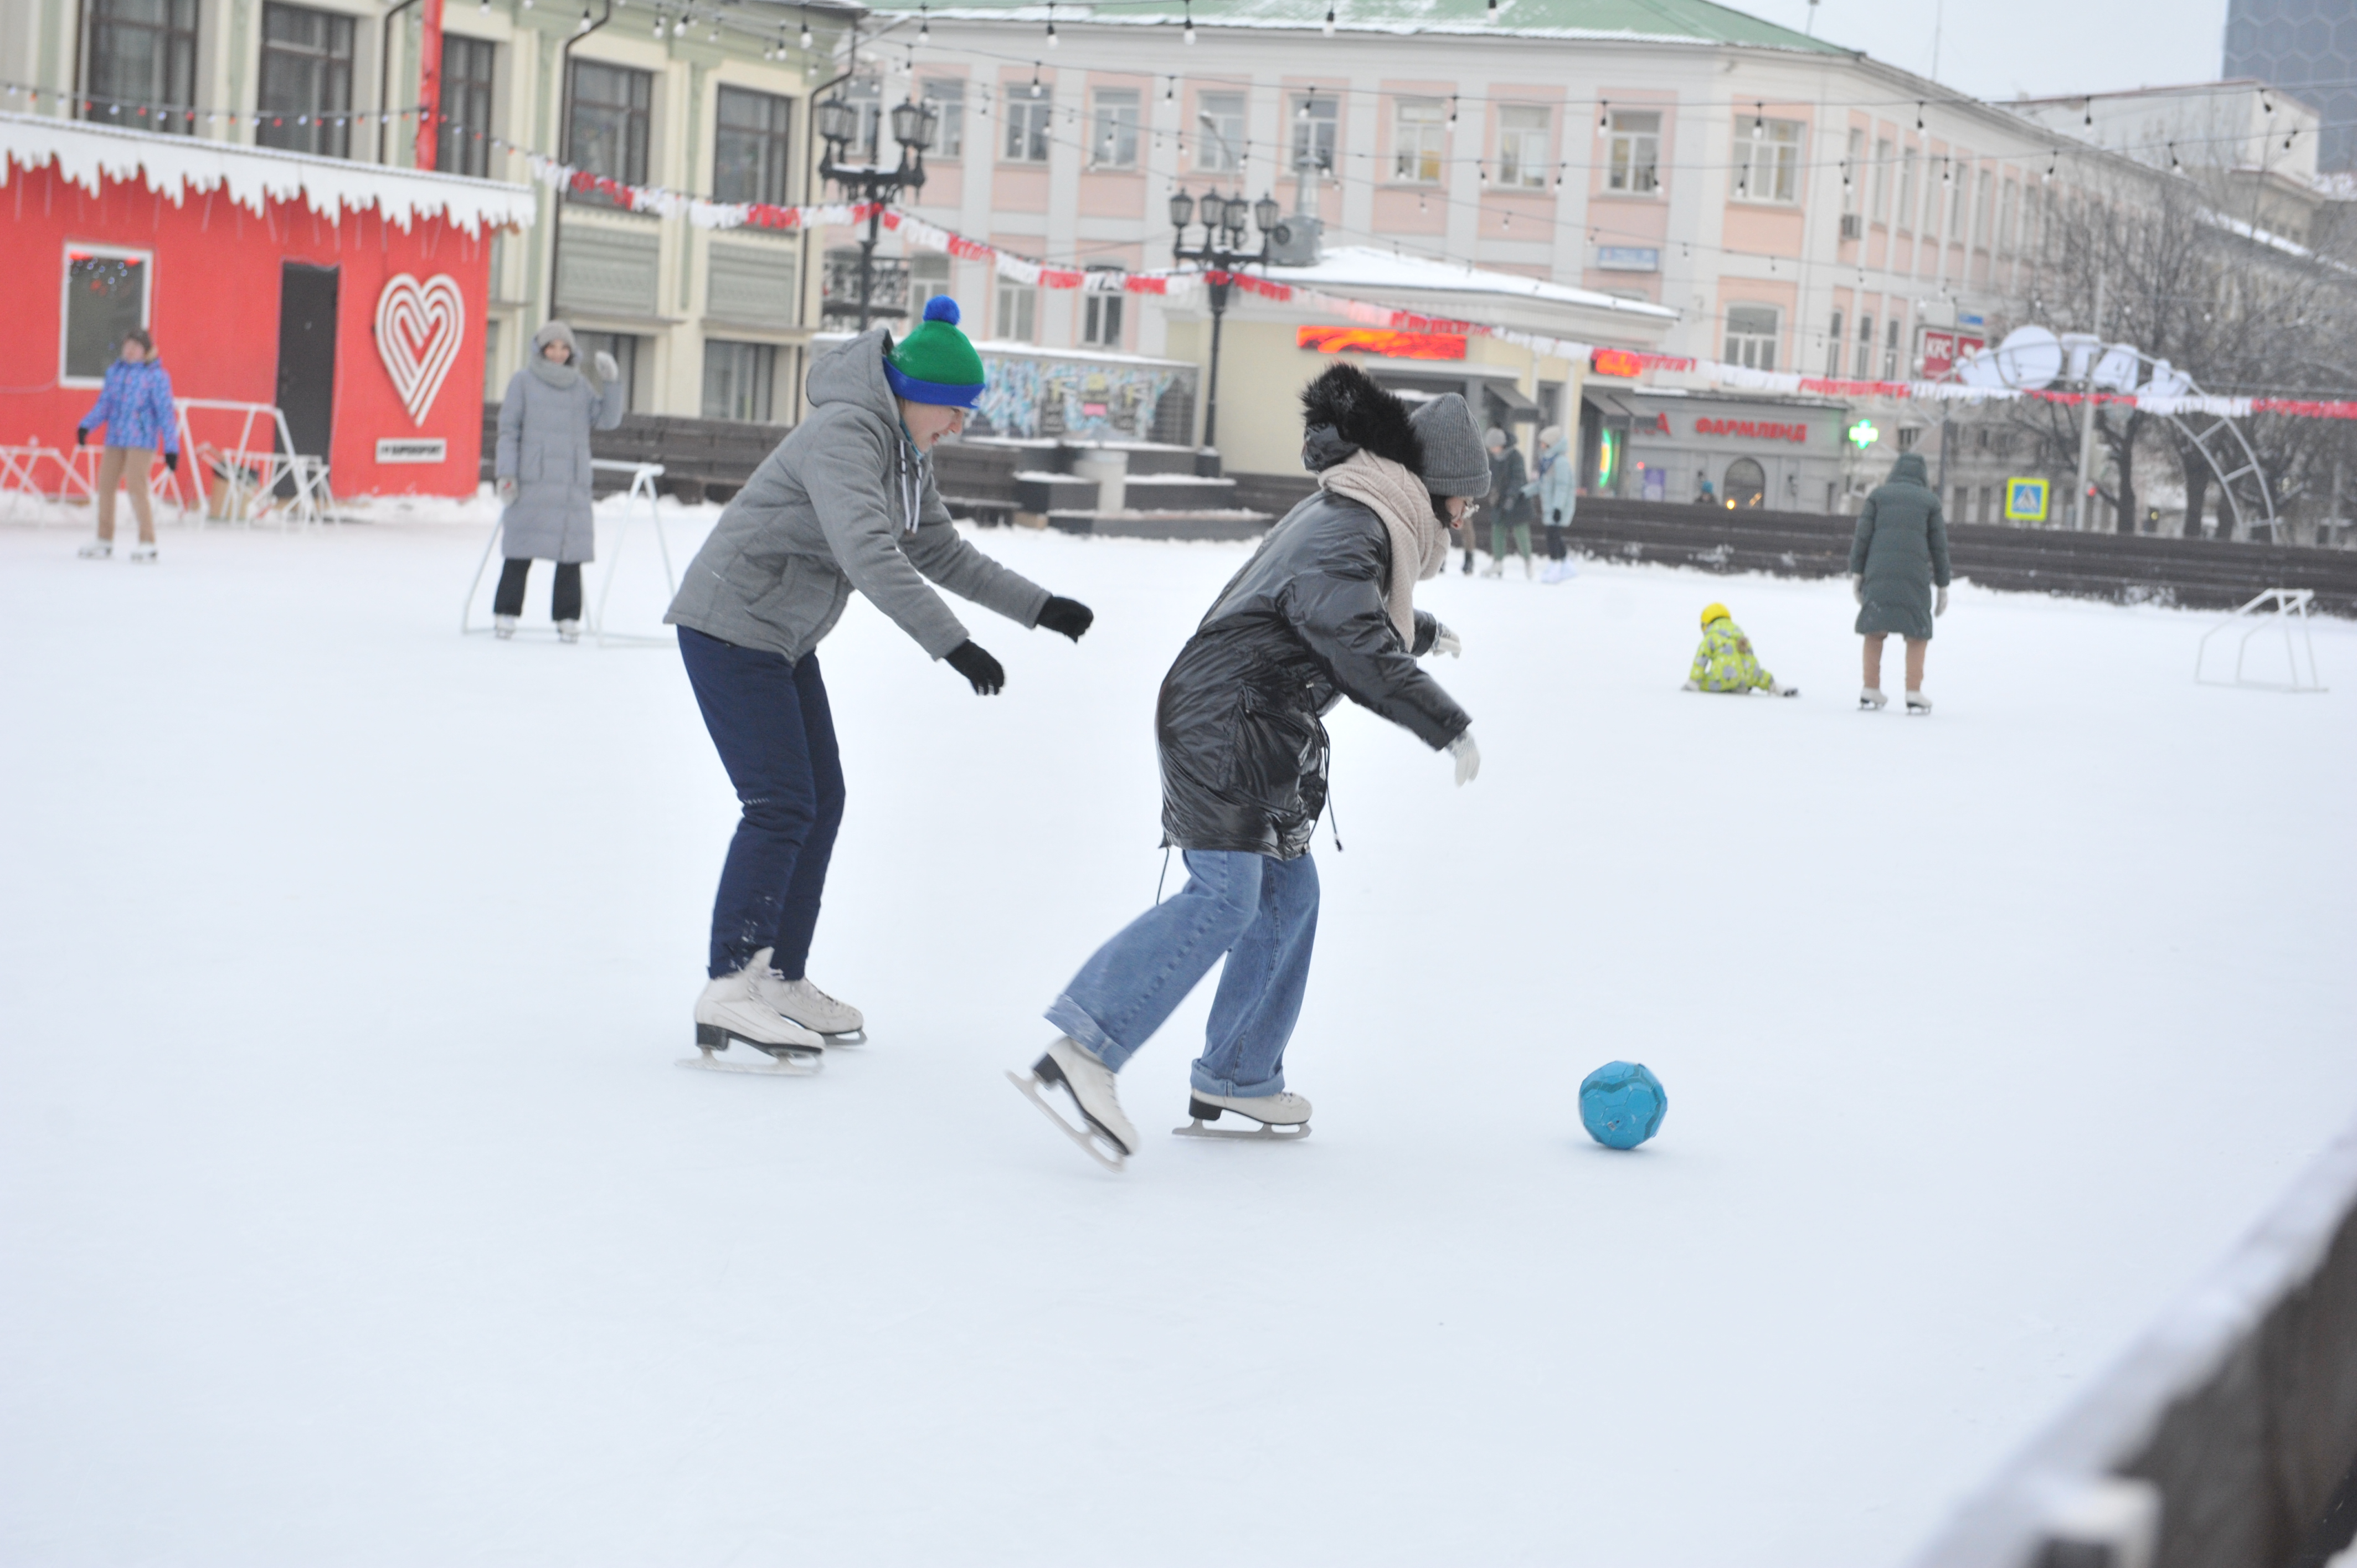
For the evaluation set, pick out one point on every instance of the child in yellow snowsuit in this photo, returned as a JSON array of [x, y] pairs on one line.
[[1725, 661]]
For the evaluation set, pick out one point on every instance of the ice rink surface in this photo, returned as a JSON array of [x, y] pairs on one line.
[[354, 1213]]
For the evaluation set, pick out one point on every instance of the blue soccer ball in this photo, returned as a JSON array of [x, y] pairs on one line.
[[1622, 1104]]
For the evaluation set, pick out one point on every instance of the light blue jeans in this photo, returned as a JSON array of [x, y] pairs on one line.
[[1259, 911]]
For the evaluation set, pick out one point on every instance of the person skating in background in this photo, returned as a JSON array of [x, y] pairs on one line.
[[134, 404], [1510, 515], [542, 474], [1558, 500], [846, 502], [1323, 610], [1725, 661], [1899, 572]]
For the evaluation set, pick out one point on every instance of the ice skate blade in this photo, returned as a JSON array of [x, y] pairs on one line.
[[1088, 1138], [849, 1037], [1263, 1134], [784, 1064]]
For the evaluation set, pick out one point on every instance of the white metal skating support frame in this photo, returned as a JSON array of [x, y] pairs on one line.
[[2289, 607], [641, 492]]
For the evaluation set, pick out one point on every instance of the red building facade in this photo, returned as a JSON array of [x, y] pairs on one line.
[[351, 297]]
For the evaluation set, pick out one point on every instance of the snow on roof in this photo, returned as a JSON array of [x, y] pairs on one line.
[[1646, 21], [175, 166], [1365, 269]]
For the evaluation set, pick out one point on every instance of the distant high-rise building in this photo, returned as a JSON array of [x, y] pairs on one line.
[[2307, 46]]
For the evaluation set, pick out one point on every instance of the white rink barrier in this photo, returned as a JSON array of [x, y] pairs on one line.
[[2226, 1438]]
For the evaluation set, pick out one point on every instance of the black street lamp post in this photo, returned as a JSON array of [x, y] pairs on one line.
[[912, 127], [1222, 252]]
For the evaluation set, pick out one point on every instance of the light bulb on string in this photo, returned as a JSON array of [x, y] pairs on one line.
[[1329, 21], [924, 27], [1919, 114], [1758, 121], [1051, 24], [585, 19], [806, 30], [2087, 110], [1604, 114], [1171, 92], [1190, 13], [1452, 113]]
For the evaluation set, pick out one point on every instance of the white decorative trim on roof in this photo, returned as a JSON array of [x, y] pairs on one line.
[[173, 167]]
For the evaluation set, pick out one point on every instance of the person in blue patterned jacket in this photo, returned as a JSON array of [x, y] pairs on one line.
[[135, 407]]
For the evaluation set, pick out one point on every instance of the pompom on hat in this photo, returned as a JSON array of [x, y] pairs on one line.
[[936, 363]]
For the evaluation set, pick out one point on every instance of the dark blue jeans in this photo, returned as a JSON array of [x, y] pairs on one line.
[[776, 735]]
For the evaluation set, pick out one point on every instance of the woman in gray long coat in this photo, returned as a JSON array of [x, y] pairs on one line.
[[543, 473], [1899, 556]]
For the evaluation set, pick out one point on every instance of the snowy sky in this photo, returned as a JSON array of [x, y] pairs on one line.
[[1997, 49]]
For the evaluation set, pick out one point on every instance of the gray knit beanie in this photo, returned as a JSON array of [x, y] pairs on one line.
[[1453, 463], [556, 332]]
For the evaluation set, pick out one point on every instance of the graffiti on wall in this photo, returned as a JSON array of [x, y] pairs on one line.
[[1083, 400]]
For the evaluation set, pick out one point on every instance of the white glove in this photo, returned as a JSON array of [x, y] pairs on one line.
[[1691, 686], [608, 371], [1446, 642], [1940, 604], [1857, 588], [1778, 688], [506, 490], [1467, 756]]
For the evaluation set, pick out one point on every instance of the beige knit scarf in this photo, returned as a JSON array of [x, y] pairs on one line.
[[1418, 542]]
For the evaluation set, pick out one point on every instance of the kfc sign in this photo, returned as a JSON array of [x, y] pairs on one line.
[[1755, 429], [1942, 349]]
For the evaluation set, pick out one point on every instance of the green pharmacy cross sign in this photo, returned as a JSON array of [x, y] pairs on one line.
[[1863, 435]]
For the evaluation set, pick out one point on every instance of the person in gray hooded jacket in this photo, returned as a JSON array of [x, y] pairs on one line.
[[1899, 564], [543, 471], [846, 502]]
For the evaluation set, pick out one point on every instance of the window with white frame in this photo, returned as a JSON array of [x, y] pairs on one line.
[[1854, 171], [2005, 217], [929, 275], [737, 380], [1881, 208], [305, 91], [1219, 132], [1019, 313], [1419, 140], [106, 299], [1026, 118], [1907, 188], [1890, 352], [139, 55], [1113, 129], [1751, 336], [1984, 211], [1959, 177], [1101, 316], [1632, 151], [946, 96], [1864, 346], [866, 96], [1833, 347], [1523, 146], [1316, 121], [1767, 159]]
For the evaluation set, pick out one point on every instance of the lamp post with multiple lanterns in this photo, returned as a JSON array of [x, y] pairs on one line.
[[1222, 252], [912, 128]]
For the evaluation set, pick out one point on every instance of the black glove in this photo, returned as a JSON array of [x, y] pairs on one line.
[[171, 462], [1068, 616], [978, 667], [82, 434]]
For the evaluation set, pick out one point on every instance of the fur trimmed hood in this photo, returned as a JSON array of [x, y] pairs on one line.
[[1343, 411]]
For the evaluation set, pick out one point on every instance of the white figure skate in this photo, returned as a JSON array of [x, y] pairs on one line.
[[805, 1004], [729, 1012], [1105, 1133], [1281, 1117]]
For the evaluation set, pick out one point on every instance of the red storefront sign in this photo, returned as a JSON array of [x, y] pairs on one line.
[[1942, 349], [1380, 340], [1615, 363], [1753, 429]]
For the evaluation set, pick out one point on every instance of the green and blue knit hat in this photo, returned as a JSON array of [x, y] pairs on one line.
[[936, 363]]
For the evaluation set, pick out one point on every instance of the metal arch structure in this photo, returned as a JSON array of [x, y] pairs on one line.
[[2233, 462]]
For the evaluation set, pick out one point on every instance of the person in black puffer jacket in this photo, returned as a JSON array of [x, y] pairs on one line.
[[1322, 611]]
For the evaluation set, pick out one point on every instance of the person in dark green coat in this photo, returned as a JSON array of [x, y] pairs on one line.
[[1899, 557]]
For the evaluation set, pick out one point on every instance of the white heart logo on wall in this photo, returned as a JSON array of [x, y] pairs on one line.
[[418, 328]]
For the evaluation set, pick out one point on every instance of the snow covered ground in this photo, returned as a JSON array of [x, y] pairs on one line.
[[354, 1213]]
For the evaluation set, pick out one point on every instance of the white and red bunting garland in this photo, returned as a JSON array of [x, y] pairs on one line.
[[717, 215]]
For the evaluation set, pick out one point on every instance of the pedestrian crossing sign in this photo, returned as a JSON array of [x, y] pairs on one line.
[[2025, 500]]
